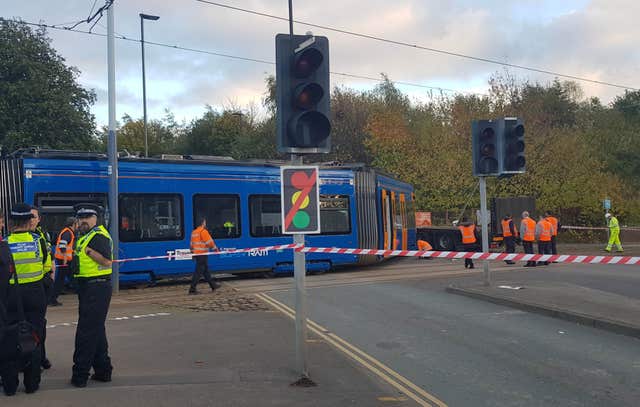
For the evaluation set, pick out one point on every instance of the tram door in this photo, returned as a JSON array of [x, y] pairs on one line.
[[403, 219], [387, 219]]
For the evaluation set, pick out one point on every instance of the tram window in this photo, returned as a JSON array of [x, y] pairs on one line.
[[222, 213], [151, 217], [265, 218], [56, 207], [334, 214]]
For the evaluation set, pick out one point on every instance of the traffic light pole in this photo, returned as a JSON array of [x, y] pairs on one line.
[[299, 273], [485, 229]]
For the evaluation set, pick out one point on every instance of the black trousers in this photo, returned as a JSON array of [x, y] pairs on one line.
[[92, 348], [509, 246], [47, 284], [470, 247], [34, 304], [528, 249], [58, 283], [544, 248], [201, 270], [554, 249]]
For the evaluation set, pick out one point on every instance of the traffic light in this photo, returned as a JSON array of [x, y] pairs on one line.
[[513, 160], [300, 200], [484, 141], [302, 94]]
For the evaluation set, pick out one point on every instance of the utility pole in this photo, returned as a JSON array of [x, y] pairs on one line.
[[485, 229], [112, 148], [144, 82]]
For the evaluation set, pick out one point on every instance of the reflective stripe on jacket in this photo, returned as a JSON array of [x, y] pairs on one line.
[[27, 256], [64, 249], [528, 230], [468, 234], [87, 267], [201, 241], [43, 236]]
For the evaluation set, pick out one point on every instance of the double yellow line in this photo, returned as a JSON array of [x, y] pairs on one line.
[[373, 365]]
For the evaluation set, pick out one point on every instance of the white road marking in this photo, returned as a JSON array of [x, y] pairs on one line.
[[125, 318]]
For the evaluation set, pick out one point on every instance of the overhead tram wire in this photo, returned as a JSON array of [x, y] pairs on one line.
[[420, 47], [248, 59]]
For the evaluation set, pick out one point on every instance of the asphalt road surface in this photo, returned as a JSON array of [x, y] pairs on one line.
[[468, 352]]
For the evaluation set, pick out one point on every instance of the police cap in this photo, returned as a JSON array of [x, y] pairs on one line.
[[21, 211], [86, 210]]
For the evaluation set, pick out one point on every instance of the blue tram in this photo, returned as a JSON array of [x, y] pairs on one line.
[[161, 198]]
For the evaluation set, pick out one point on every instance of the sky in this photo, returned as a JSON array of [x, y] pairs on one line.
[[595, 39]]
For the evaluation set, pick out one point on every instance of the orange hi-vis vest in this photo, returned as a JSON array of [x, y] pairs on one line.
[[529, 234], [423, 245], [468, 234], [546, 230], [506, 231], [64, 249], [554, 222], [201, 241]]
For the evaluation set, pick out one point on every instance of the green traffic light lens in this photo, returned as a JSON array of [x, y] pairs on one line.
[[309, 129]]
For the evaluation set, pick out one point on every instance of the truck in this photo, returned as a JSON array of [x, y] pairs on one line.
[[447, 238]]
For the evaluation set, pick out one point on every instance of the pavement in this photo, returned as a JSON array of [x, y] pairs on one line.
[[600, 305], [223, 348]]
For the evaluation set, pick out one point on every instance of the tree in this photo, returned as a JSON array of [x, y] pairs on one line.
[[41, 103]]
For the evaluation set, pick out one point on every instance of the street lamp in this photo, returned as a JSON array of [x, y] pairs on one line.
[[144, 84]]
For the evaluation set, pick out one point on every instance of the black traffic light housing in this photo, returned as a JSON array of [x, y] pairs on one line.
[[512, 147], [303, 94], [485, 149]]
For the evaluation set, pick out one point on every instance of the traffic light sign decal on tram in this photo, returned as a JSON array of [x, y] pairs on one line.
[[303, 94], [300, 197]]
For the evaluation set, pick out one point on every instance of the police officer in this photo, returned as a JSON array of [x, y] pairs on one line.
[[47, 281], [28, 253], [94, 255]]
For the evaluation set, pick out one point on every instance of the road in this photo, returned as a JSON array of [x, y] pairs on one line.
[[467, 352]]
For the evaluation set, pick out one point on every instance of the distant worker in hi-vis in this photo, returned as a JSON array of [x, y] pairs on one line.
[[614, 233], [202, 242]]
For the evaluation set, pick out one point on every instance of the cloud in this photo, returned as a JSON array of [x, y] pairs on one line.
[[594, 39]]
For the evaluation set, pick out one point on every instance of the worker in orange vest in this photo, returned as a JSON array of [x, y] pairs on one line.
[[544, 231], [528, 236], [202, 242], [424, 246], [556, 228], [469, 236], [63, 256], [509, 234]]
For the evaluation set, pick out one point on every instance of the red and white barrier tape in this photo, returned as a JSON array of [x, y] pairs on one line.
[[560, 258], [626, 260]]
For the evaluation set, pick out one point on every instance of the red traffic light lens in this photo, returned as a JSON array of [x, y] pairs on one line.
[[307, 95], [306, 62], [487, 134]]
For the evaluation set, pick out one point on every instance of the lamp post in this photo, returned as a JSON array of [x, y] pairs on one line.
[[144, 84]]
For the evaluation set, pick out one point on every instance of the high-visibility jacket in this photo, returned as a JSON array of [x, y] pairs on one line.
[[423, 245], [87, 267], [528, 230], [506, 228], [468, 234], [27, 256], [48, 262], [613, 224], [64, 249], [554, 222], [201, 240], [544, 230]]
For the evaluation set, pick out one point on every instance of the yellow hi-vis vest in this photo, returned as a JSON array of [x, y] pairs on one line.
[[87, 267], [27, 256]]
